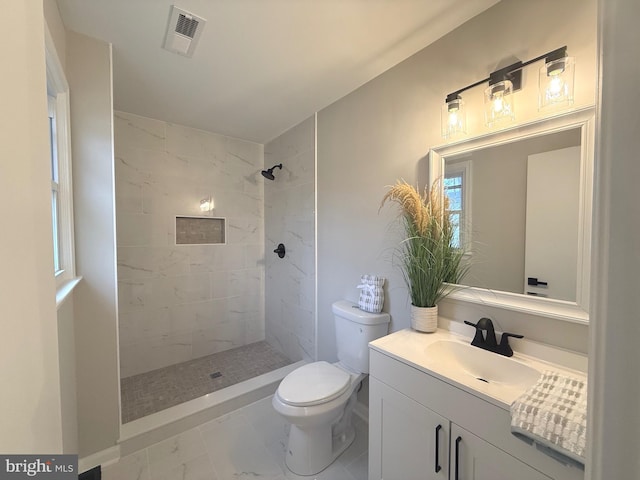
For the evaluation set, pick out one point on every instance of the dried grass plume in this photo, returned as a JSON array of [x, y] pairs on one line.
[[423, 209]]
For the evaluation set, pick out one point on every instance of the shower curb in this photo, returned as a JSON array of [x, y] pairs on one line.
[[157, 427]]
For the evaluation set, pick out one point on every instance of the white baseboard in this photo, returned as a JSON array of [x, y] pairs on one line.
[[104, 458]]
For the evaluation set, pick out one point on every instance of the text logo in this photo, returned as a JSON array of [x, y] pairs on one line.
[[50, 467]]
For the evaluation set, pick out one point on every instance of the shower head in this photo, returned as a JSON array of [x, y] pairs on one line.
[[269, 173]]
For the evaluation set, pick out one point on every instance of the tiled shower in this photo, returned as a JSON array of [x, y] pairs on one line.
[[290, 219], [178, 302]]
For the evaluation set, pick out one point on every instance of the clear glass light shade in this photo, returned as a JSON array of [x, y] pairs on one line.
[[556, 83], [453, 118], [498, 104]]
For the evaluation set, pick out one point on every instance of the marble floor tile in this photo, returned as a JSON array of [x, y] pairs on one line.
[[175, 452], [248, 443], [359, 468], [236, 450], [269, 426], [199, 468], [131, 467]]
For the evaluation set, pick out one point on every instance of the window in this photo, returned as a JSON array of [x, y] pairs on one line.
[[457, 188], [55, 185], [60, 165]]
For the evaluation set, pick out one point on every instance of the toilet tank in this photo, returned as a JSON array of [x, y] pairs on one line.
[[355, 328]]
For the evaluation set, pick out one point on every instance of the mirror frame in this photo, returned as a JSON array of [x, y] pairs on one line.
[[584, 119]]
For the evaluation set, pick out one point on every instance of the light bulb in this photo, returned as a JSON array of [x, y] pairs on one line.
[[453, 118], [497, 103], [556, 86]]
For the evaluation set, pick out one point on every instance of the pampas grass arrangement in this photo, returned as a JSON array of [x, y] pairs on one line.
[[428, 260]]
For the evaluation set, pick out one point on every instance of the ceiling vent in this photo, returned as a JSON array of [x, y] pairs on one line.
[[183, 32]]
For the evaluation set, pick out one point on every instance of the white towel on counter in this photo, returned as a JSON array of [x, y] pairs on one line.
[[371, 293], [553, 413]]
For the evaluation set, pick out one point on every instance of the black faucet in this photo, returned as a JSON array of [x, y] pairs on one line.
[[488, 340]]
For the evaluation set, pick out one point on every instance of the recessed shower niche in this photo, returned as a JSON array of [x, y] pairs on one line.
[[200, 230]]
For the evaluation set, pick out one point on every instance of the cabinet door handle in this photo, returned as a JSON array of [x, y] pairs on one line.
[[458, 440], [438, 467]]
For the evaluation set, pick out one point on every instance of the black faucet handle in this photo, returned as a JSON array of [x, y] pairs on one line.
[[506, 335], [472, 324], [504, 348]]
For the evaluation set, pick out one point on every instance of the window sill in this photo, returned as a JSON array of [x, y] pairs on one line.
[[65, 290]]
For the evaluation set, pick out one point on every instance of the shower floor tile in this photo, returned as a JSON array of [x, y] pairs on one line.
[[166, 387]]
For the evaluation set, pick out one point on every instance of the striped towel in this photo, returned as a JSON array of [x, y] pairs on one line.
[[553, 413], [371, 293]]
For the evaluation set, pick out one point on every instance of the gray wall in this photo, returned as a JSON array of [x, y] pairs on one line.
[[66, 321], [29, 370], [68, 385], [290, 288], [95, 298], [383, 131], [179, 302]]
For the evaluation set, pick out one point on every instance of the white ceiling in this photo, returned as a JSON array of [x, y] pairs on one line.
[[261, 66]]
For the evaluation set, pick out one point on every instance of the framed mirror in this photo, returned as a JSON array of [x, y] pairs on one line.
[[521, 199]]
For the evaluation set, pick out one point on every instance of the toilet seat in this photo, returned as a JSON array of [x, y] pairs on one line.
[[313, 384]]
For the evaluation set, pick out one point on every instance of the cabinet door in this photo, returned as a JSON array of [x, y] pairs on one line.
[[474, 459], [407, 441]]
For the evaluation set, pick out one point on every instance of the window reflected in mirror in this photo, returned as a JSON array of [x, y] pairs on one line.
[[516, 211]]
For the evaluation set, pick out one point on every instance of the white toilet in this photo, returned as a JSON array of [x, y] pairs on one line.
[[318, 398]]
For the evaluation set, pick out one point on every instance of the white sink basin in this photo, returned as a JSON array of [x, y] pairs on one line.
[[487, 371]]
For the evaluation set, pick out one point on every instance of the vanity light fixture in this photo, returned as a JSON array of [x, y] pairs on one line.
[[556, 88]]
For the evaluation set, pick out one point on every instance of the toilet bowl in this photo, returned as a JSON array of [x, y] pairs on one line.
[[318, 398]]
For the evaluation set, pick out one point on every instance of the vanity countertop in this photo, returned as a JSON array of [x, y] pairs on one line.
[[497, 379]]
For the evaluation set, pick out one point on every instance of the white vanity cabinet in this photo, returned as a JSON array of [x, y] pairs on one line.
[[479, 460], [406, 439], [419, 424]]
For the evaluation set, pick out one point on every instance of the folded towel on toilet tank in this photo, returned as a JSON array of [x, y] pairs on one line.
[[371, 293]]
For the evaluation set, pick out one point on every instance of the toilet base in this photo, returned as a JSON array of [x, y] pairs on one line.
[[312, 450]]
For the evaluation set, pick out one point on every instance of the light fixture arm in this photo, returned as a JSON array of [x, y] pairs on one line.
[[512, 72], [456, 95], [549, 56], [557, 77]]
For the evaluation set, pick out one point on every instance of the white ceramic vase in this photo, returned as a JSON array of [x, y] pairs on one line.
[[424, 319]]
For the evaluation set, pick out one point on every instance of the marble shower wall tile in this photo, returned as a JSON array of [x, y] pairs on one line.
[[139, 132], [178, 302], [289, 209]]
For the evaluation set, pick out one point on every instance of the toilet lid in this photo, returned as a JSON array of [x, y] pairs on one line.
[[313, 384]]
